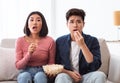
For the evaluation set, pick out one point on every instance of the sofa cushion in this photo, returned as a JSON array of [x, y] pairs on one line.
[[114, 71], [8, 43], [7, 64], [105, 56]]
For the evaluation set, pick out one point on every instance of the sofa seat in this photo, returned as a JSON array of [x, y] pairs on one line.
[[109, 81], [8, 82]]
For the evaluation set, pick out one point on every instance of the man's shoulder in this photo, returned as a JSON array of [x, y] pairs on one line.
[[63, 37], [89, 37]]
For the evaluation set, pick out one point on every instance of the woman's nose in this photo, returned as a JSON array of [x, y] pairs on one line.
[[35, 22]]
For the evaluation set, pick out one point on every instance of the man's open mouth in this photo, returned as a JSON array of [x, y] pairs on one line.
[[75, 30]]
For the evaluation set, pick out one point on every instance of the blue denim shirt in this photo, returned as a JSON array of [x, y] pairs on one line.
[[63, 45]]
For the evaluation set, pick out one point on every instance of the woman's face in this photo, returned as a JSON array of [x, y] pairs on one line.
[[34, 23], [75, 23]]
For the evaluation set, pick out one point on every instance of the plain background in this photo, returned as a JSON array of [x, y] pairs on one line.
[[99, 19]]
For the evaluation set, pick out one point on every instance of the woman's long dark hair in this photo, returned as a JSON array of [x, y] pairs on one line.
[[44, 29]]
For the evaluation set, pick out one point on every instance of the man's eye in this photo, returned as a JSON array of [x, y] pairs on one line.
[[71, 21], [79, 21]]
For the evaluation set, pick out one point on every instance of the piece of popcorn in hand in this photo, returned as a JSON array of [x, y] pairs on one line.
[[53, 69]]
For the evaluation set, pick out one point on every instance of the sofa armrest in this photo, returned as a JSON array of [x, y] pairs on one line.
[[8, 70], [114, 68]]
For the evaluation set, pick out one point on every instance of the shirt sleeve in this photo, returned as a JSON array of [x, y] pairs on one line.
[[95, 50]]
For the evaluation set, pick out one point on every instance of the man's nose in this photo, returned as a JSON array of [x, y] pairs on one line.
[[75, 23]]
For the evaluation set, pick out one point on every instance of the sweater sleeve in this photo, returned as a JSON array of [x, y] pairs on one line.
[[21, 61], [52, 52]]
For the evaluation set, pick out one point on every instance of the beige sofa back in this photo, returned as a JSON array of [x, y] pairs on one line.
[[7, 60], [105, 56], [8, 43]]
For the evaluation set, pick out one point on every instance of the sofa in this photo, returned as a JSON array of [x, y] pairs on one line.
[[8, 72]]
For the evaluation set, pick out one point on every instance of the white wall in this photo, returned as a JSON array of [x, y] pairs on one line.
[[14, 14], [99, 16]]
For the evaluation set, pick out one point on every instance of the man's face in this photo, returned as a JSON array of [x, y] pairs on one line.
[[75, 23]]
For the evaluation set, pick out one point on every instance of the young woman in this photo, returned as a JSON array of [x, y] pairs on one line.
[[34, 49]]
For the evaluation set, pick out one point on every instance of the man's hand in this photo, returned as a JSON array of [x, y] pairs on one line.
[[79, 38], [75, 76]]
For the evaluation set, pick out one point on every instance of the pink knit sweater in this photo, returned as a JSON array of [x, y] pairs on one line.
[[44, 53]]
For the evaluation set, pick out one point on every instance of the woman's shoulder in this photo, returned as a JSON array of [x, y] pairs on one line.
[[20, 39], [49, 38]]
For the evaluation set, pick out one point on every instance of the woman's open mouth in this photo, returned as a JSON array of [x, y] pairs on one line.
[[34, 27]]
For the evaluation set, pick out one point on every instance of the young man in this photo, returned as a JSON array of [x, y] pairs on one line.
[[78, 52]]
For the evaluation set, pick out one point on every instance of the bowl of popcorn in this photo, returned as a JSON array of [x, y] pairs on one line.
[[53, 69]]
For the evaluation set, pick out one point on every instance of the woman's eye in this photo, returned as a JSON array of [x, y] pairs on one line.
[[38, 20], [31, 19]]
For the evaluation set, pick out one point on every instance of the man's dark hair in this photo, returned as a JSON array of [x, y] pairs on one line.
[[75, 11]]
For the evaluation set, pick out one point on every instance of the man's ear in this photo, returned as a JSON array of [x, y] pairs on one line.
[[83, 24]]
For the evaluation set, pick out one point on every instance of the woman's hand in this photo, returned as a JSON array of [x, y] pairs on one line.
[[51, 75], [32, 48]]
